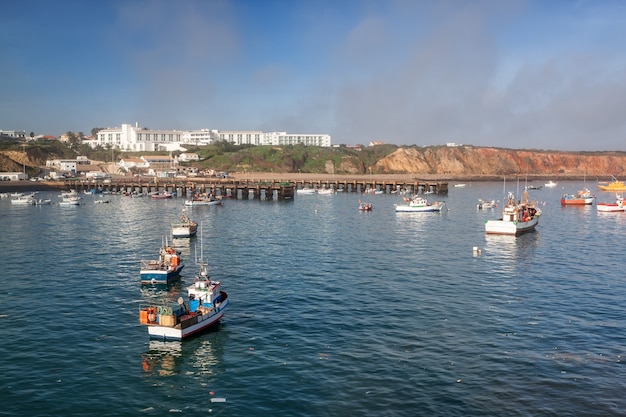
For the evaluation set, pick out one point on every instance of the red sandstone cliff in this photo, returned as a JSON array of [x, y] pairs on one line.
[[468, 161]]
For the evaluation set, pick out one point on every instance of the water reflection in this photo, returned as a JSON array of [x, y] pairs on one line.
[[507, 251], [162, 358], [199, 356]]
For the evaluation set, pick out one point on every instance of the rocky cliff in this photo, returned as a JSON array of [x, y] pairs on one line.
[[468, 161]]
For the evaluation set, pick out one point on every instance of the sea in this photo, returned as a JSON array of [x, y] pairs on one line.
[[333, 311]]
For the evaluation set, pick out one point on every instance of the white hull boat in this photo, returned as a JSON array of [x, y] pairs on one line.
[[517, 218]]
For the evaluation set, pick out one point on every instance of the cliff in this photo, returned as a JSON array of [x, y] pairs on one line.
[[468, 161]]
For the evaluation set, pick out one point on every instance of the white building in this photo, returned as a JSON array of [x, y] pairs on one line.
[[136, 139]]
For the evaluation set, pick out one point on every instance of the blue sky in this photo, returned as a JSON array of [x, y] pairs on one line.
[[517, 74]]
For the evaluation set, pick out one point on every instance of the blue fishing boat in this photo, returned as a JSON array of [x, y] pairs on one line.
[[163, 270]]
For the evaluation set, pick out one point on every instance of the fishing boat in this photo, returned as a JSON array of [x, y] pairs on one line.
[[517, 217], [365, 206], [305, 190], [581, 198], [550, 184], [163, 270], [24, 200], [419, 205], [69, 200], [204, 200], [611, 207], [43, 202], [326, 191], [185, 227], [614, 185], [484, 205], [616, 207], [161, 195], [204, 307]]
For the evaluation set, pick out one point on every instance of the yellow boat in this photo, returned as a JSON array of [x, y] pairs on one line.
[[614, 185]]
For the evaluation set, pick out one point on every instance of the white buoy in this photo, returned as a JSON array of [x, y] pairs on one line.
[[477, 251]]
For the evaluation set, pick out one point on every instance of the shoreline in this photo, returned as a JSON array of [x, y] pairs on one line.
[[31, 186]]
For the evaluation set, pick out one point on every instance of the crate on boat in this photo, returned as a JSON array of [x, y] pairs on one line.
[[167, 320]]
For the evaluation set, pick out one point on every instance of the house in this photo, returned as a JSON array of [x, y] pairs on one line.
[[186, 157]]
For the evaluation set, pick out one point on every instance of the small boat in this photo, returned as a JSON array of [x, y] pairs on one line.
[[462, 185], [365, 206], [163, 270], [611, 207], [484, 205], [43, 202], [326, 191], [161, 195], [616, 207], [24, 200], [205, 307], [517, 218], [69, 200], [305, 190], [581, 198], [185, 227], [550, 184], [204, 200], [419, 205], [534, 187], [614, 185]]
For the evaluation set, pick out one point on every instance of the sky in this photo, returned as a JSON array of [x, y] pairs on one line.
[[539, 74]]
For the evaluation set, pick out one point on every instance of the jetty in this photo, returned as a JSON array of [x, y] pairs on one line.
[[260, 189]]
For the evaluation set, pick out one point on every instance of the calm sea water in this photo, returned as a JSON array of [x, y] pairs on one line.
[[333, 312]]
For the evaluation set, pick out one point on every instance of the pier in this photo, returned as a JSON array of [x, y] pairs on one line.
[[261, 189]]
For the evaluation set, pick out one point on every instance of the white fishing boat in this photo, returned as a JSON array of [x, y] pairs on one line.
[[69, 200], [326, 191], [419, 205], [517, 218], [24, 200], [305, 190], [185, 227], [484, 205], [550, 184], [204, 200]]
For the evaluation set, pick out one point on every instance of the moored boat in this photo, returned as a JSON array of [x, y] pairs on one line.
[[614, 185], [581, 198], [419, 205], [305, 190], [185, 227], [610, 207], [161, 195], [163, 270], [326, 191], [24, 200], [550, 184], [484, 205], [363, 206], [204, 200], [517, 218]]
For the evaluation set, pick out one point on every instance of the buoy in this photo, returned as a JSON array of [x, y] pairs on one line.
[[477, 251]]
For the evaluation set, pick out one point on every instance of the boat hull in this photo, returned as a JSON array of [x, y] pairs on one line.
[[184, 230], [187, 328], [610, 208], [423, 209], [512, 228], [149, 276], [577, 201], [192, 203]]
